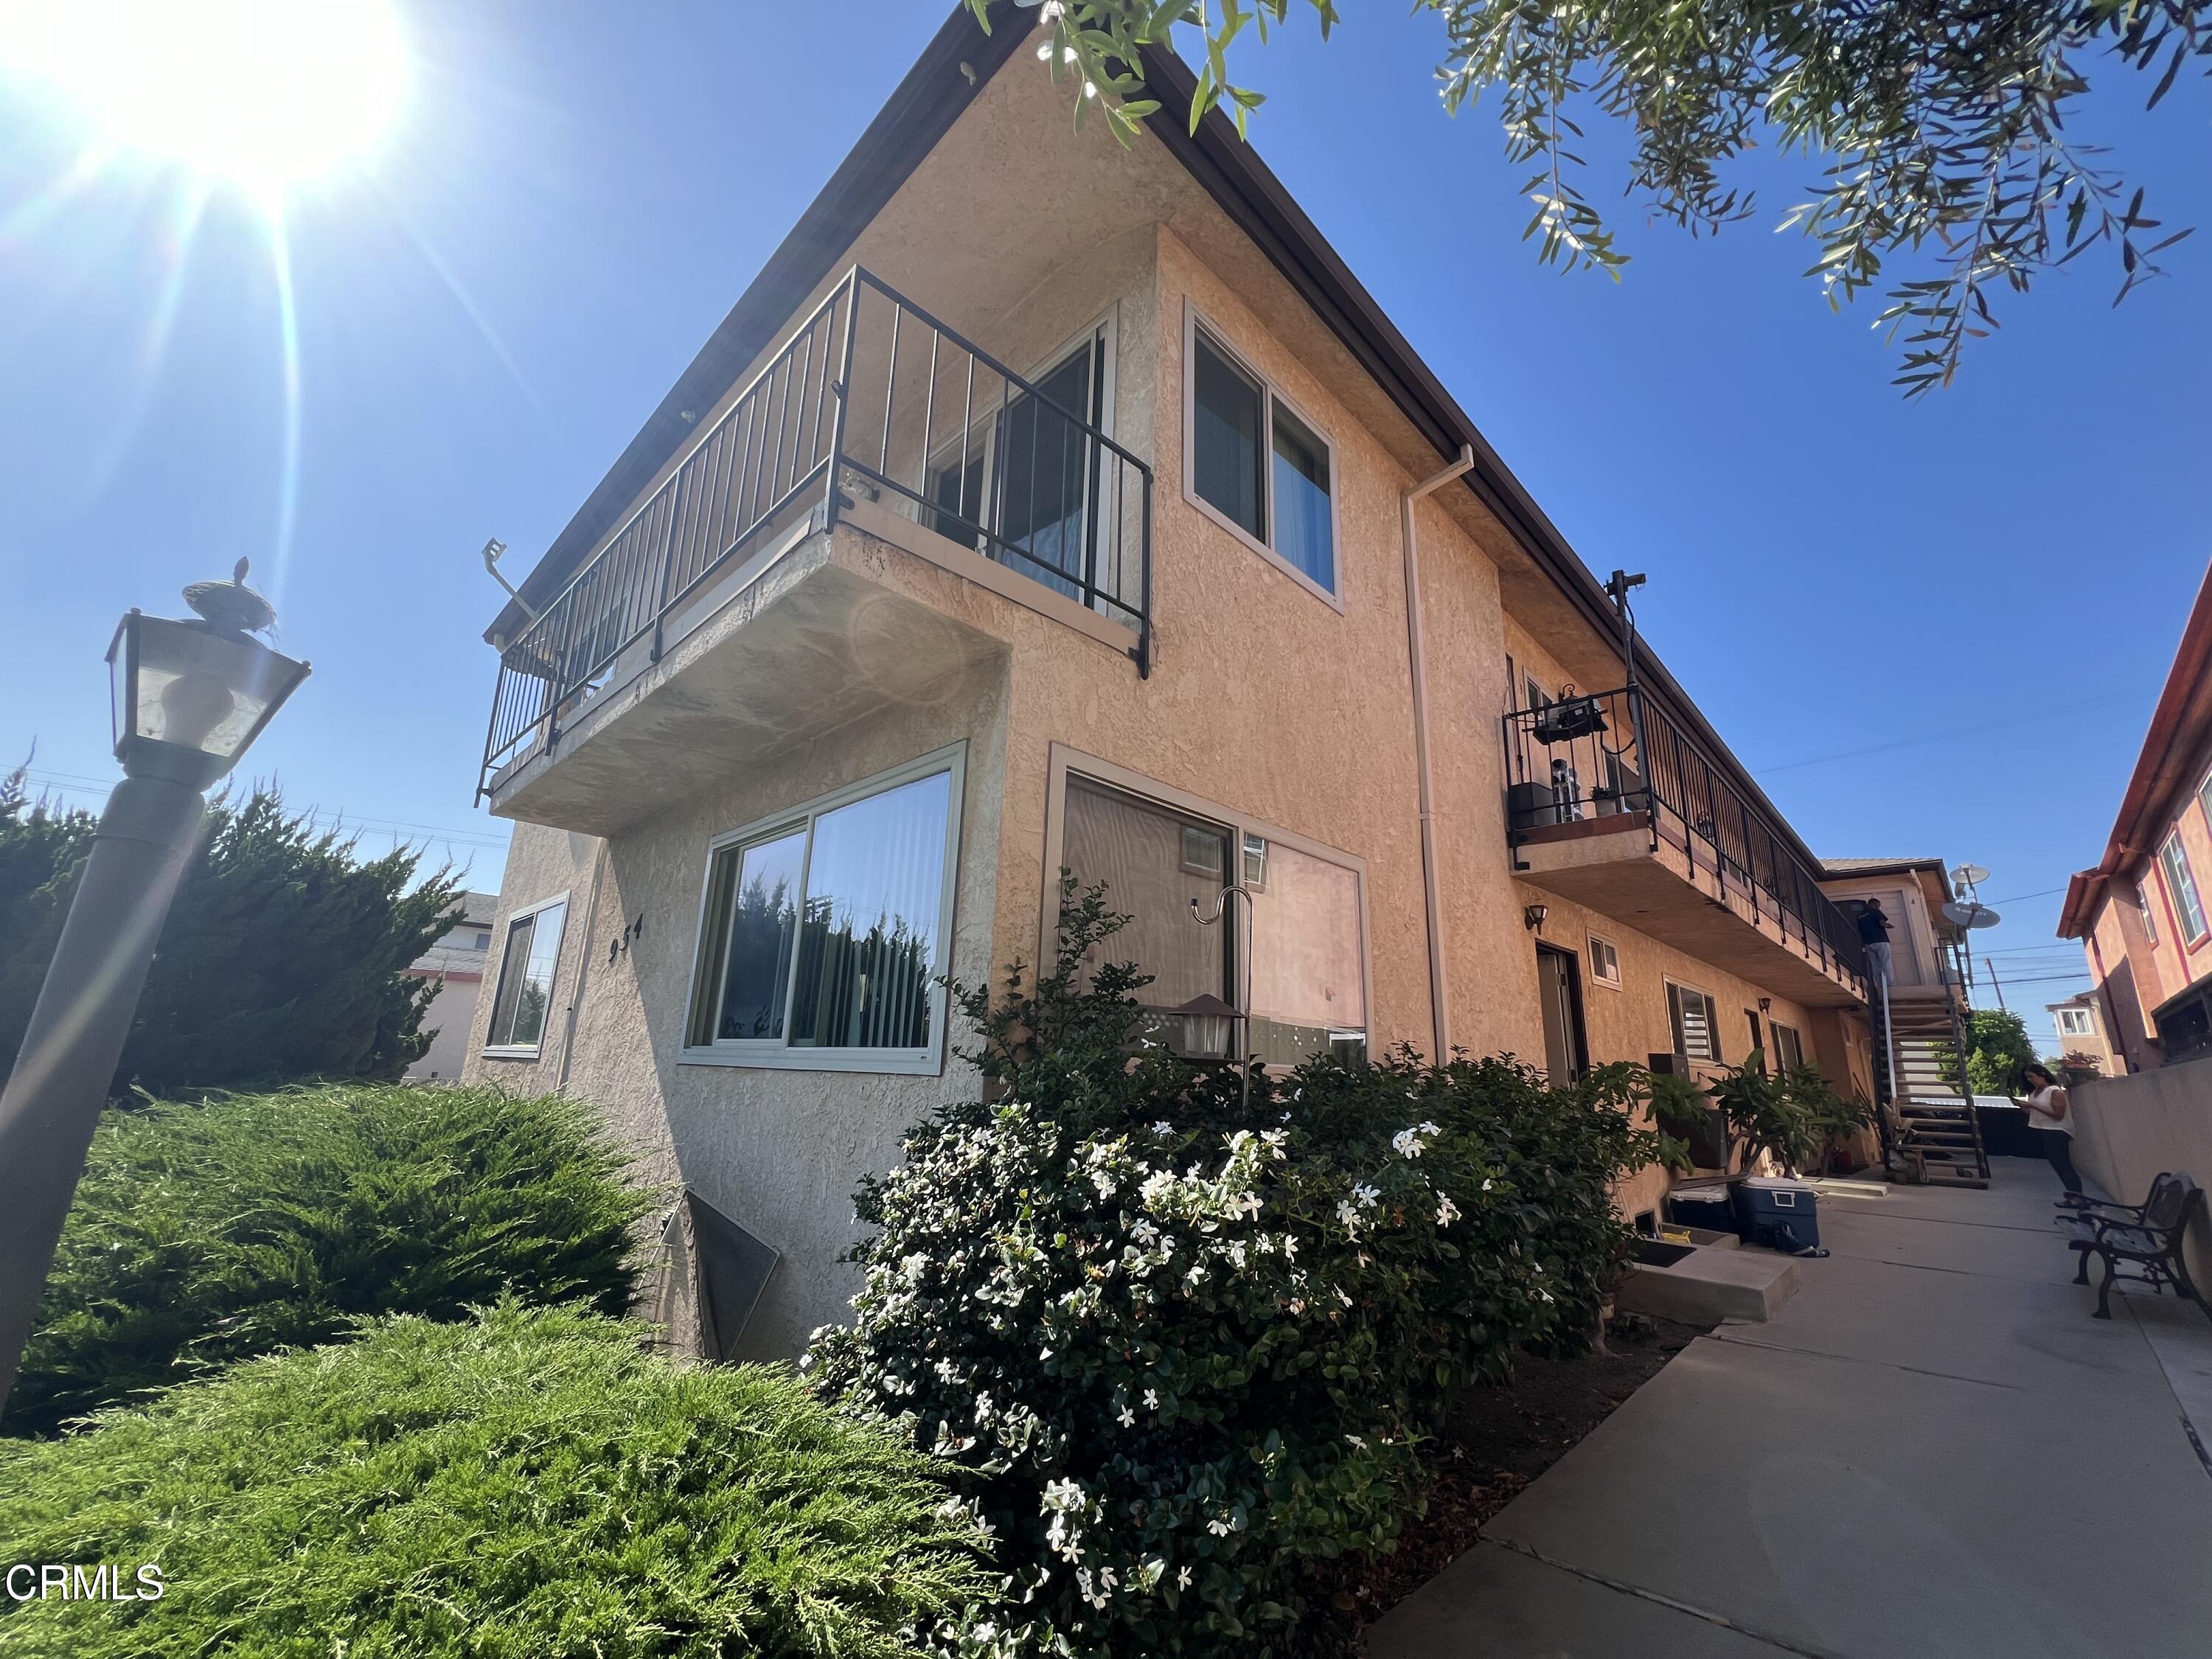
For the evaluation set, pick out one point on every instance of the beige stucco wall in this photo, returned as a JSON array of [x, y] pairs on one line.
[[1262, 696], [2130, 1129], [452, 1016]]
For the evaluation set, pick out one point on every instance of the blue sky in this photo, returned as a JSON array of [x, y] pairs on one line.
[[1931, 628]]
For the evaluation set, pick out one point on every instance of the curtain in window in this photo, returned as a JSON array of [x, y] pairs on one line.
[[869, 928], [1226, 439], [1303, 534], [1139, 851]]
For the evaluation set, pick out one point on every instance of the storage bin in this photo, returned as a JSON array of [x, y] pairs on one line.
[[1777, 1213]]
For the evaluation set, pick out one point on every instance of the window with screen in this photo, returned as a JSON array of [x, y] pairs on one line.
[[2074, 1022], [1305, 986], [526, 971], [1605, 961], [1258, 465], [824, 934], [1696, 1023]]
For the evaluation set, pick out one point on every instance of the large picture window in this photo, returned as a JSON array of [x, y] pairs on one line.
[[1304, 985], [823, 930], [527, 972], [1257, 466]]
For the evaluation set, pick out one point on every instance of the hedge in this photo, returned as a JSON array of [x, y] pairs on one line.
[[209, 1232], [532, 1484]]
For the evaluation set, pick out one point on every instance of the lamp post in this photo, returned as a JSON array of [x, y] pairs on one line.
[[190, 697]]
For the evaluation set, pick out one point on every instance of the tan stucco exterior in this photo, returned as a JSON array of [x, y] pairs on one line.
[[863, 648]]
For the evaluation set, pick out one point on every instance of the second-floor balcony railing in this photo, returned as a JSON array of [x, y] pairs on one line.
[[1587, 756], [869, 394]]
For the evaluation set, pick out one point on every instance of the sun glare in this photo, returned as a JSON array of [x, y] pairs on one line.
[[266, 96]]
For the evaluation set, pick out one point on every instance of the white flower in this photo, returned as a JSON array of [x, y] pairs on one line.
[[1485, 1186], [1182, 1577], [1152, 1400], [1290, 1246], [1446, 1213], [1219, 1529], [1044, 53], [1163, 1128], [1062, 1494], [1342, 1297], [1356, 1441], [1127, 1418], [1366, 1195]]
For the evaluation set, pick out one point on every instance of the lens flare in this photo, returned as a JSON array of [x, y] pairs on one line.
[[266, 96]]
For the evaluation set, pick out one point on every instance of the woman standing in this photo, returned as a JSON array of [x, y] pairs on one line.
[[2049, 1115]]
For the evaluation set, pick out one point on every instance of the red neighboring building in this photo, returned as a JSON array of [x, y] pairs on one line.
[[2142, 913]]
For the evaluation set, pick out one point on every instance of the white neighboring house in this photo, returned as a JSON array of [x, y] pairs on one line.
[[457, 962]]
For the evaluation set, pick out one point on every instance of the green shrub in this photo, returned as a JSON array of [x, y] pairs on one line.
[[1175, 1347], [209, 1232], [530, 1486]]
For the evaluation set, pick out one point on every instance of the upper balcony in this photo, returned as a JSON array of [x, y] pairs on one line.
[[724, 614], [1612, 805]]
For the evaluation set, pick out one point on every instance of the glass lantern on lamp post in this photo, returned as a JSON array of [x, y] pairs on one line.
[[190, 697]]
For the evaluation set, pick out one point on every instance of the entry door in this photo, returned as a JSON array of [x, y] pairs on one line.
[[1560, 984]]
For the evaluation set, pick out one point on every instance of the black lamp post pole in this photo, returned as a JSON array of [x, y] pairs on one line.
[[54, 1095]]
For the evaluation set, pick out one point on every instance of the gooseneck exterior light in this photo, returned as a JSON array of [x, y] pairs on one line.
[[191, 696]]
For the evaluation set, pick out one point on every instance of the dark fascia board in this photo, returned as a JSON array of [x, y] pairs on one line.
[[958, 61], [1231, 170]]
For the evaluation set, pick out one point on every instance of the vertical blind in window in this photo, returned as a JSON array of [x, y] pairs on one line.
[[828, 935], [1154, 862], [1305, 987], [525, 978], [1303, 535]]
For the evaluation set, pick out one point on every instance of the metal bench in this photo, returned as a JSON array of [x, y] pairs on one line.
[[2146, 1236]]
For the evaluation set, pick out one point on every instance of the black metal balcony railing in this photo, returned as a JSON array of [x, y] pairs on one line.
[[1589, 756], [869, 395]]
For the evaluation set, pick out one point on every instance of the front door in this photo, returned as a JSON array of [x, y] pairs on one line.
[[1559, 985]]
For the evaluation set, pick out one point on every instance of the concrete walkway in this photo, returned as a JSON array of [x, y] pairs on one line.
[[1933, 1450]]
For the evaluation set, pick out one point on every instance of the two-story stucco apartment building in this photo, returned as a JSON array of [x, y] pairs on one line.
[[2141, 913], [1046, 504]]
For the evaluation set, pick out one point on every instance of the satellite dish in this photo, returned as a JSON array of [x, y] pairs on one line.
[[1967, 913], [1970, 875]]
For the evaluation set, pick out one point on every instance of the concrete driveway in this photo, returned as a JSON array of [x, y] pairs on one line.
[[1934, 1449]]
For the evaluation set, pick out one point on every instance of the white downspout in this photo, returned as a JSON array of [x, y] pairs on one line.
[[1439, 1005]]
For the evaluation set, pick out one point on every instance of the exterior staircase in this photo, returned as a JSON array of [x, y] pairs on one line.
[[1928, 1122]]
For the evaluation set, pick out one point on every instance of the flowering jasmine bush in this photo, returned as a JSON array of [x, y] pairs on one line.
[[1173, 1347]]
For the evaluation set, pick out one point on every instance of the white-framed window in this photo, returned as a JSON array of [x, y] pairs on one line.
[[2074, 1022], [1304, 983], [1695, 1022], [1256, 464], [2181, 887], [1604, 962], [824, 930], [2143, 910], [1789, 1045], [527, 969]]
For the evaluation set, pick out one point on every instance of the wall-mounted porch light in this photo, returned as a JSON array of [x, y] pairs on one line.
[[1532, 917]]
